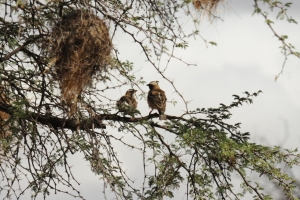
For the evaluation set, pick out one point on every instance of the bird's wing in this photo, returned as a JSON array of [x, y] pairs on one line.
[[158, 98], [124, 100]]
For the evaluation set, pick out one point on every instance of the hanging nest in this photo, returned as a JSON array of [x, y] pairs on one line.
[[206, 6], [80, 48]]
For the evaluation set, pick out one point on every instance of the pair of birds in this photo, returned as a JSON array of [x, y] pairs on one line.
[[156, 100]]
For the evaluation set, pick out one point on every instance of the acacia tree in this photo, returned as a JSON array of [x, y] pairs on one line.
[[38, 134]]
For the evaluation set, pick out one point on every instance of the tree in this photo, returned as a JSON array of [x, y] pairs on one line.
[[42, 42]]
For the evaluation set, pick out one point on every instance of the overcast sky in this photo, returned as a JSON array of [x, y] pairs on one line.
[[247, 58]]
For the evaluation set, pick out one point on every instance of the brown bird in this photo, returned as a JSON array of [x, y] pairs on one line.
[[127, 101], [157, 99]]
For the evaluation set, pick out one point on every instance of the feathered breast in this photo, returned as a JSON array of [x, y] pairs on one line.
[[157, 99]]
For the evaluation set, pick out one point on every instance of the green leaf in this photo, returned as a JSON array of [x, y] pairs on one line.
[[213, 43]]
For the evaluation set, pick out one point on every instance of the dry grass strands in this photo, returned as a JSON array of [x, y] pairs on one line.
[[206, 6], [81, 47]]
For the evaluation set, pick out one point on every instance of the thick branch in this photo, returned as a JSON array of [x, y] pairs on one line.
[[73, 124]]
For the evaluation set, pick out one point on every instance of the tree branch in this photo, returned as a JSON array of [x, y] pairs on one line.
[[88, 123], [7, 56]]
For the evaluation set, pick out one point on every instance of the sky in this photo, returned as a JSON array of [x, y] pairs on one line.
[[247, 58]]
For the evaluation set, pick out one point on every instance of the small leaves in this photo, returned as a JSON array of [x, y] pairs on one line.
[[269, 22], [283, 37], [282, 14], [182, 45], [213, 43], [291, 20]]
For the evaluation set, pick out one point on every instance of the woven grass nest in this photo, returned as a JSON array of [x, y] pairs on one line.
[[206, 6], [81, 48]]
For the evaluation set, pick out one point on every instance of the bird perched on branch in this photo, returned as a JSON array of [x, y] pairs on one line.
[[127, 101], [157, 99]]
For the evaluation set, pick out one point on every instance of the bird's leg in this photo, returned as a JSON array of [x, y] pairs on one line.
[[150, 111]]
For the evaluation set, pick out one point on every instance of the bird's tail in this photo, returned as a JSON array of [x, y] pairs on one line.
[[162, 117]]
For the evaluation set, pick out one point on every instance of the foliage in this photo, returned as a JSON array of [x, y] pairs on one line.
[[281, 10], [208, 156]]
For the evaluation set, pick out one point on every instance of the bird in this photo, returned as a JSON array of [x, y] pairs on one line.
[[157, 99], [128, 101]]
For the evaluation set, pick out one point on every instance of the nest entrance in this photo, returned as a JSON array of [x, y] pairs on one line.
[[81, 47]]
